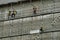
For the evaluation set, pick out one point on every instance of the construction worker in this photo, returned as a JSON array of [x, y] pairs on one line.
[[9, 14], [13, 13], [34, 10], [41, 29]]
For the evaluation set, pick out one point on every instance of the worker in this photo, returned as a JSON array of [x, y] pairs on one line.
[[34, 10], [9, 14], [13, 13], [41, 29]]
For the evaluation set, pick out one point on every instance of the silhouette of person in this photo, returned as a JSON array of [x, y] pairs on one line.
[[34, 10]]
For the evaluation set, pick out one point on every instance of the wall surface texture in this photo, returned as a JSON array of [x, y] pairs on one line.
[[22, 26]]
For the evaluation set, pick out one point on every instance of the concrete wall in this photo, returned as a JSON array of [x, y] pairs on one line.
[[21, 26], [8, 1], [27, 9]]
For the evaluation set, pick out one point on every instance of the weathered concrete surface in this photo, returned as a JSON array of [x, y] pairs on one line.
[[25, 26], [21, 26], [27, 9], [48, 36], [9, 1]]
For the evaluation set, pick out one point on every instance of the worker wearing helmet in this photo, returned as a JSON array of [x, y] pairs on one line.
[[41, 29], [34, 10], [13, 13], [9, 14]]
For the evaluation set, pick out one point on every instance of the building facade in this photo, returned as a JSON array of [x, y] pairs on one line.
[[14, 29]]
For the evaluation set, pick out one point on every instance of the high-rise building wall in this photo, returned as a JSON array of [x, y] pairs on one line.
[[9, 1], [8, 29], [27, 8]]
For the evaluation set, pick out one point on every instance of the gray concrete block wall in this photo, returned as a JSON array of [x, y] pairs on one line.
[[21, 27], [17, 28], [26, 9], [47, 36]]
